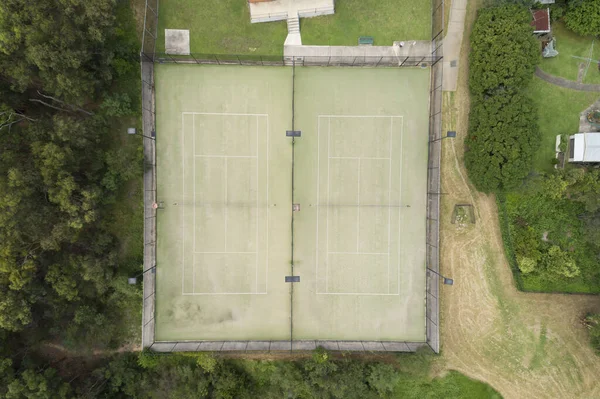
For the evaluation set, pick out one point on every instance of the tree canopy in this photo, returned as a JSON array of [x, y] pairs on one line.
[[503, 132], [60, 171], [583, 17], [504, 52]]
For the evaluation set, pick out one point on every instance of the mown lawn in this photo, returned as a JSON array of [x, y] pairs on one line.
[[385, 20], [569, 44], [220, 27], [558, 110]]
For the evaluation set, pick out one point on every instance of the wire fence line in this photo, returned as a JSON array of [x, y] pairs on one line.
[[433, 179], [149, 148], [267, 60]]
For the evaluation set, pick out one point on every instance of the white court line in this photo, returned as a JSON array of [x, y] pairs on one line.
[[356, 253], [225, 207], [318, 209], [225, 156], [227, 293], [327, 218], [400, 200], [183, 207], [361, 116], [194, 193], [355, 293], [355, 158], [222, 114], [268, 178], [257, 211], [389, 202], [226, 253], [358, 209]]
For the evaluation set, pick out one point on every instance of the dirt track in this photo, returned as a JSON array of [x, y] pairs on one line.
[[524, 345]]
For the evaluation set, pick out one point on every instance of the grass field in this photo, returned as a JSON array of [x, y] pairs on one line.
[[558, 110], [568, 45], [224, 178], [220, 27], [385, 20], [223, 27]]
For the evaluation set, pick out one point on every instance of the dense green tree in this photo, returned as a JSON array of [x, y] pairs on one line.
[[504, 52], [31, 383], [60, 173], [583, 17], [560, 263], [503, 136], [503, 132], [60, 42]]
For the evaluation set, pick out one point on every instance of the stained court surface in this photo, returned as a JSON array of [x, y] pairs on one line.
[[225, 240]]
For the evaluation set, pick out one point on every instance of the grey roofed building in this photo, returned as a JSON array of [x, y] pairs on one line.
[[584, 147], [546, 1]]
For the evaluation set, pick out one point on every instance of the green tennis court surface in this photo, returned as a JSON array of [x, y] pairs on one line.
[[224, 168]]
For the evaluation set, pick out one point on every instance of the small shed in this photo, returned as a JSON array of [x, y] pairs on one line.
[[541, 21], [584, 148]]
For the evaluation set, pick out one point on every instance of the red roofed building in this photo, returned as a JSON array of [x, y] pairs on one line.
[[541, 21]]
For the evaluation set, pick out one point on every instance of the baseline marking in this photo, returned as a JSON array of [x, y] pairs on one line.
[[358, 207], [182, 208], [222, 114], [390, 201], [225, 156], [194, 187], [257, 211]]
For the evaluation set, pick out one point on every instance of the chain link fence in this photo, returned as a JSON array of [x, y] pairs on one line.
[[262, 60], [149, 148], [433, 179]]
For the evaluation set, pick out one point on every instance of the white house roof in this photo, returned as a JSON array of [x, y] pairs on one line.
[[587, 147]]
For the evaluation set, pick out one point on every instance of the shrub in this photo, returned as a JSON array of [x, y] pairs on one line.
[[504, 52], [503, 131], [526, 265], [503, 136], [583, 17]]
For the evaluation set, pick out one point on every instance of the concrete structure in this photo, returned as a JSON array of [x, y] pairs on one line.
[[177, 41], [540, 21], [278, 10], [400, 51], [584, 148]]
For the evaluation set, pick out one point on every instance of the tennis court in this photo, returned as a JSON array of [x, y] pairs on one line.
[[225, 166]]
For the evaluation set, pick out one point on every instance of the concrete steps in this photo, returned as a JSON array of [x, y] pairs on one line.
[[293, 38], [293, 24]]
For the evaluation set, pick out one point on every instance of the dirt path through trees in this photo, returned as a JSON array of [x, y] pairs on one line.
[[524, 345]]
